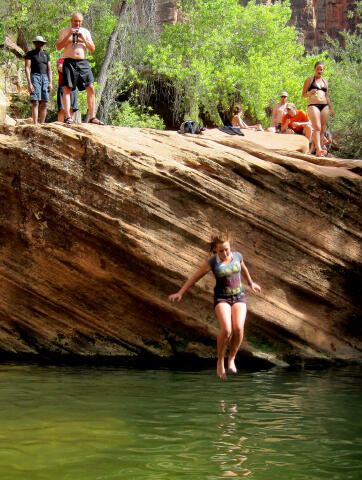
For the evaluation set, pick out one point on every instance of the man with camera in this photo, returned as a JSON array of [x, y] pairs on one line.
[[76, 40]]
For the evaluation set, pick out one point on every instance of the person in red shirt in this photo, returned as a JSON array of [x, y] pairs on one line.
[[73, 94], [296, 121]]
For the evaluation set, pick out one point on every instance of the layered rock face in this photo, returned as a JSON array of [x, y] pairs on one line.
[[319, 18], [100, 224]]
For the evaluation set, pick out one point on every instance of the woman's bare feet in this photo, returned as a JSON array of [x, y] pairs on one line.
[[221, 370], [231, 365]]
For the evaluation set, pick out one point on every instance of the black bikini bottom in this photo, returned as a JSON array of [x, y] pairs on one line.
[[319, 105]]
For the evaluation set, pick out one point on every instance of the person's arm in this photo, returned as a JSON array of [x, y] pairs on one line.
[[64, 36], [284, 124], [303, 120], [329, 100], [307, 84], [176, 297], [27, 73], [254, 286], [50, 86], [296, 124], [86, 38], [243, 124], [274, 122]]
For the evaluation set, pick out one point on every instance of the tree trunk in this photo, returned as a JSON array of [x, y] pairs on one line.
[[21, 40], [102, 76], [13, 48]]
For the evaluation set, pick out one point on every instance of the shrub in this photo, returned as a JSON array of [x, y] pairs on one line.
[[126, 115]]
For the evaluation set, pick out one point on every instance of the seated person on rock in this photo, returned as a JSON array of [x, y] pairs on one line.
[[296, 121], [237, 120], [278, 112]]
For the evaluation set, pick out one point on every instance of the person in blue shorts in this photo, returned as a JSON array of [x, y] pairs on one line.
[[38, 72], [229, 298]]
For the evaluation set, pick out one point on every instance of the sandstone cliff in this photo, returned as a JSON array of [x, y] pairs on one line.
[[100, 225], [318, 18]]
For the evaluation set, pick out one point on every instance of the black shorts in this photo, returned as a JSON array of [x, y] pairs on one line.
[[231, 299], [73, 99], [77, 73]]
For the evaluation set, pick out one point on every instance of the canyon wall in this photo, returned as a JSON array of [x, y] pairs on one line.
[[318, 18], [100, 224]]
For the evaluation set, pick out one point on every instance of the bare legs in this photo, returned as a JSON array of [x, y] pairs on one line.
[[34, 110], [319, 121], [42, 111], [238, 314], [39, 111], [91, 101], [66, 101], [61, 115], [307, 132], [231, 320]]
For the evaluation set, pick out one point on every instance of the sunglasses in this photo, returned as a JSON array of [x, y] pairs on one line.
[[283, 96]]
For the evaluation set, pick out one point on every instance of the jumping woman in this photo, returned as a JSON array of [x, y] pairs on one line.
[[319, 104], [229, 298]]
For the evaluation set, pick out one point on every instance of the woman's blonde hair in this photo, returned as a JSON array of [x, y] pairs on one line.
[[220, 237]]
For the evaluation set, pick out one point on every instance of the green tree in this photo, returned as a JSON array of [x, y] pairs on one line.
[[224, 52], [27, 18], [128, 116], [24, 19]]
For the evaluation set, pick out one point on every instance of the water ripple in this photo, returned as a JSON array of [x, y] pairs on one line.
[[117, 424]]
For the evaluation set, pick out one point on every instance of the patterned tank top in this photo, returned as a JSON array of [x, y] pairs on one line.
[[228, 277]]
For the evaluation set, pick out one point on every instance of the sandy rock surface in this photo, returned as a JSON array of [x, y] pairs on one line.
[[100, 224]]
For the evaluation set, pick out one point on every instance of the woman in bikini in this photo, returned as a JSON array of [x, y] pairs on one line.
[[229, 298], [319, 104]]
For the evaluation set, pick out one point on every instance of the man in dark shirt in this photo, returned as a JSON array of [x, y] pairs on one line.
[[39, 76]]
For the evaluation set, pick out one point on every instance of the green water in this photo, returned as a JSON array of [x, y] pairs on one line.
[[84, 423]]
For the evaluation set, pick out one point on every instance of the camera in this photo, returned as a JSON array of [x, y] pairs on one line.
[[75, 37]]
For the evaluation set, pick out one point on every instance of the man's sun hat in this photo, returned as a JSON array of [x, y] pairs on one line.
[[283, 94], [39, 39]]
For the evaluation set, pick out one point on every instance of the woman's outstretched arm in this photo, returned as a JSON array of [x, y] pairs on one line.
[[176, 297], [254, 286]]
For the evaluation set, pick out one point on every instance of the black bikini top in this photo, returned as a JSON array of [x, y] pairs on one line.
[[314, 86]]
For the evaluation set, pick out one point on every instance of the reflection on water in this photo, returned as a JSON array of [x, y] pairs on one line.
[[60, 423], [232, 451]]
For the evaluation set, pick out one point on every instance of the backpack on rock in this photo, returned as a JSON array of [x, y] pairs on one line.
[[190, 127]]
